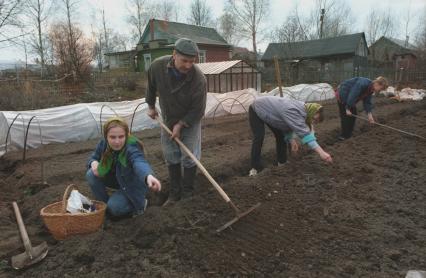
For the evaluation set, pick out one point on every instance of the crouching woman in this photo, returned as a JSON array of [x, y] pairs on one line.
[[287, 119], [118, 162]]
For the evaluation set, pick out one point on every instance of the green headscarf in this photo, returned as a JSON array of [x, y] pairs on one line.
[[106, 161], [311, 110]]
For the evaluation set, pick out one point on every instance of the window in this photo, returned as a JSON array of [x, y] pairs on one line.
[[147, 61], [202, 56]]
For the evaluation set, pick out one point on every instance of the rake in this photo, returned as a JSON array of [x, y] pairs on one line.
[[238, 213], [389, 127]]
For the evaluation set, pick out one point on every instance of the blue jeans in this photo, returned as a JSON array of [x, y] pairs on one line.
[[191, 138], [117, 204]]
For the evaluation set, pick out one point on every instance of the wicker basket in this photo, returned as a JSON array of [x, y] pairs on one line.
[[62, 224]]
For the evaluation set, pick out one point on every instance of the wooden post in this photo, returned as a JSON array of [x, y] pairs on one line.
[[242, 76], [278, 75]]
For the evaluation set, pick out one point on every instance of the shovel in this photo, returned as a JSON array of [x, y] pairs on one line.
[[238, 213], [32, 254]]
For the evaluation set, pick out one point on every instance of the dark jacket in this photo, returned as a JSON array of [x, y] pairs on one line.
[[355, 89], [132, 179], [180, 99]]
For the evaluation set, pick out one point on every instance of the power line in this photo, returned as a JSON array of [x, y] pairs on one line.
[[12, 38]]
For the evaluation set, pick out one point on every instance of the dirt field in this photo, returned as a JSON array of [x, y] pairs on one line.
[[363, 216]]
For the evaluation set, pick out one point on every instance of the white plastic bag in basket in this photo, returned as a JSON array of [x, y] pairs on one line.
[[76, 201]]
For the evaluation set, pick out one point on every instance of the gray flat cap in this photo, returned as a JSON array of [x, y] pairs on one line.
[[186, 47]]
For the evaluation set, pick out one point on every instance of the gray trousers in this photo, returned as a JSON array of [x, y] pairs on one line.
[[191, 138]]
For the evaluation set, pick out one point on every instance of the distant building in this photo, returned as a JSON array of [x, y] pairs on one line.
[[242, 53], [392, 53], [329, 60], [230, 76], [120, 60], [159, 37]]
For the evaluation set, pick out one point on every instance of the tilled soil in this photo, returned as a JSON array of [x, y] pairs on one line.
[[363, 216]]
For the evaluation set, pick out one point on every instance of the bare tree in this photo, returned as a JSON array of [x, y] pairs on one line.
[[71, 58], [292, 29], [138, 16], [106, 31], [98, 48], [421, 40], [23, 44], [166, 10], [119, 42], [77, 55], [249, 15], [200, 13], [288, 34], [228, 28], [106, 40], [329, 18], [407, 18], [37, 13], [379, 23], [10, 11]]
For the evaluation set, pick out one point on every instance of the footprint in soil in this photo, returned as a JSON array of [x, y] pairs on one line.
[[84, 259], [35, 188], [82, 255], [147, 240], [413, 164], [366, 170]]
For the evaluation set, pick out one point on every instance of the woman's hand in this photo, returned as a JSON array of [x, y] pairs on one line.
[[94, 167], [326, 157], [348, 112], [294, 146], [153, 183], [370, 118]]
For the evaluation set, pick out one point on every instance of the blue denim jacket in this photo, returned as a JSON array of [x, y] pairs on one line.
[[352, 89], [132, 179]]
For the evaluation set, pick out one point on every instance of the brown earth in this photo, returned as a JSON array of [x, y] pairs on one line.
[[363, 216]]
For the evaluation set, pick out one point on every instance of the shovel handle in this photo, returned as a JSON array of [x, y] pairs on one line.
[[200, 166], [24, 235]]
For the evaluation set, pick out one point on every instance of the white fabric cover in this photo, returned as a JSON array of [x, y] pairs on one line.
[[80, 122]]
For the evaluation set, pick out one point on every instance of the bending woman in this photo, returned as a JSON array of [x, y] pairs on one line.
[[352, 91], [118, 162], [287, 119]]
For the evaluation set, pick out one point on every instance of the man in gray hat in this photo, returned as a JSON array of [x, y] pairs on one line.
[[181, 88]]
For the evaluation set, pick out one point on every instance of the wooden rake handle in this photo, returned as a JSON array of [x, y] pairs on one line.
[[389, 127], [200, 166]]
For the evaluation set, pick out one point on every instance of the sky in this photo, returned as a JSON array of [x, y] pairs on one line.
[[116, 12]]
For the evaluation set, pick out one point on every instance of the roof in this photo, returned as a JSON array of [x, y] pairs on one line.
[[174, 30], [346, 44], [219, 67], [131, 52], [402, 43], [397, 44], [238, 49]]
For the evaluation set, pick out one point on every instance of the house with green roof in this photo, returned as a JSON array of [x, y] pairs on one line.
[[321, 60], [159, 37]]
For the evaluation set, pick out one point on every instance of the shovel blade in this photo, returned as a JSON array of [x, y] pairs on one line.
[[23, 260], [238, 217]]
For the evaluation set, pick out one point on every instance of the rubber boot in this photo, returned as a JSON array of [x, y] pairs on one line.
[[175, 177], [188, 182]]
